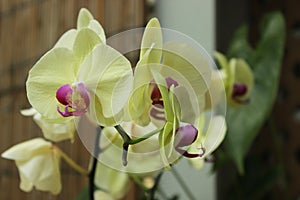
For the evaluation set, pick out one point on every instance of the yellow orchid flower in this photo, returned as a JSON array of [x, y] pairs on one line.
[[113, 182], [81, 74], [55, 132], [38, 164], [179, 63], [238, 79], [170, 84], [85, 21]]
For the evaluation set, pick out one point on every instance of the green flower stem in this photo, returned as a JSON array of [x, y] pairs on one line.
[[92, 173], [71, 162], [128, 141], [182, 184], [146, 136]]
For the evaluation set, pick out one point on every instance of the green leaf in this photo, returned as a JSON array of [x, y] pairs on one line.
[[84, 194], [245, 122]]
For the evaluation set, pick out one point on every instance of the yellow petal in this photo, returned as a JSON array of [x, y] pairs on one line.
[[85, 41], [215, 134], [84, 18], [98, 29], [108, 75], [56, 131], [152, 39], [190, 63], [27, 149], [116, 183], [56, 68], [66, 40]]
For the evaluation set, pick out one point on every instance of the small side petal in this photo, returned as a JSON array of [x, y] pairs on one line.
[[215, 134], [84, 18], [28, 112], [152, 38], [97, 28], [66, 40], [86, 39]]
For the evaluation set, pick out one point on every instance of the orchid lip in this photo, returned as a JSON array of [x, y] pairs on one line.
[[185, 135], [156, 95], [74, 97], [157, 112], [191, 155], [239, 90]]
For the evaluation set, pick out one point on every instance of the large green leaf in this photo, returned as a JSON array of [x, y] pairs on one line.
[[245, 122]]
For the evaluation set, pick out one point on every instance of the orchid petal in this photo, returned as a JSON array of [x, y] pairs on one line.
[[140, 101], [152, 38], [28, 112], [25, 150], [98, 29], [222, 60], [215, 134], [243, 74], [56, 68], [115, 183], [161, 83], [38, 165], [164, 142], [188, 62], [84, 18], [66, 40], [107, 74], [55, 131], [101, 195], [85, 41]]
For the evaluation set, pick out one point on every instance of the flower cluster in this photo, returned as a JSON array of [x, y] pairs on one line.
[[162, 109]]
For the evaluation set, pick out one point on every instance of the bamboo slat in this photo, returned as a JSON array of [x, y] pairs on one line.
[[28, 28]]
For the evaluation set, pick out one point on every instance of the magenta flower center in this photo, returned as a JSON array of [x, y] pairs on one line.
[[75, 98], [239, 90], [157, 110]]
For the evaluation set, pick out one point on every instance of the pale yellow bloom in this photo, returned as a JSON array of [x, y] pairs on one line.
[[115, 183], [100, 195], [52, 131], [38, 164]]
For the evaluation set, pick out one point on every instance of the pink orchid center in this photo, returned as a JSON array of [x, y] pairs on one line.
[[74, 97], [239, 90], [156, 95], [157, 111]]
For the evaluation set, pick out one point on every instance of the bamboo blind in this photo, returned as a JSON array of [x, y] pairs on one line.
[[28, 28]]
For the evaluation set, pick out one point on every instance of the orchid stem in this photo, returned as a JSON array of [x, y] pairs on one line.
[[146, 136], [72, 163], [128, 141], [94, 165], [182, 184], [154, 188]]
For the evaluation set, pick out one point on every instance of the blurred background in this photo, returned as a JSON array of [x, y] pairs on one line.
[[28, 28]]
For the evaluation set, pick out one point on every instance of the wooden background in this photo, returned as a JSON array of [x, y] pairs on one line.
[[28, 28]]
